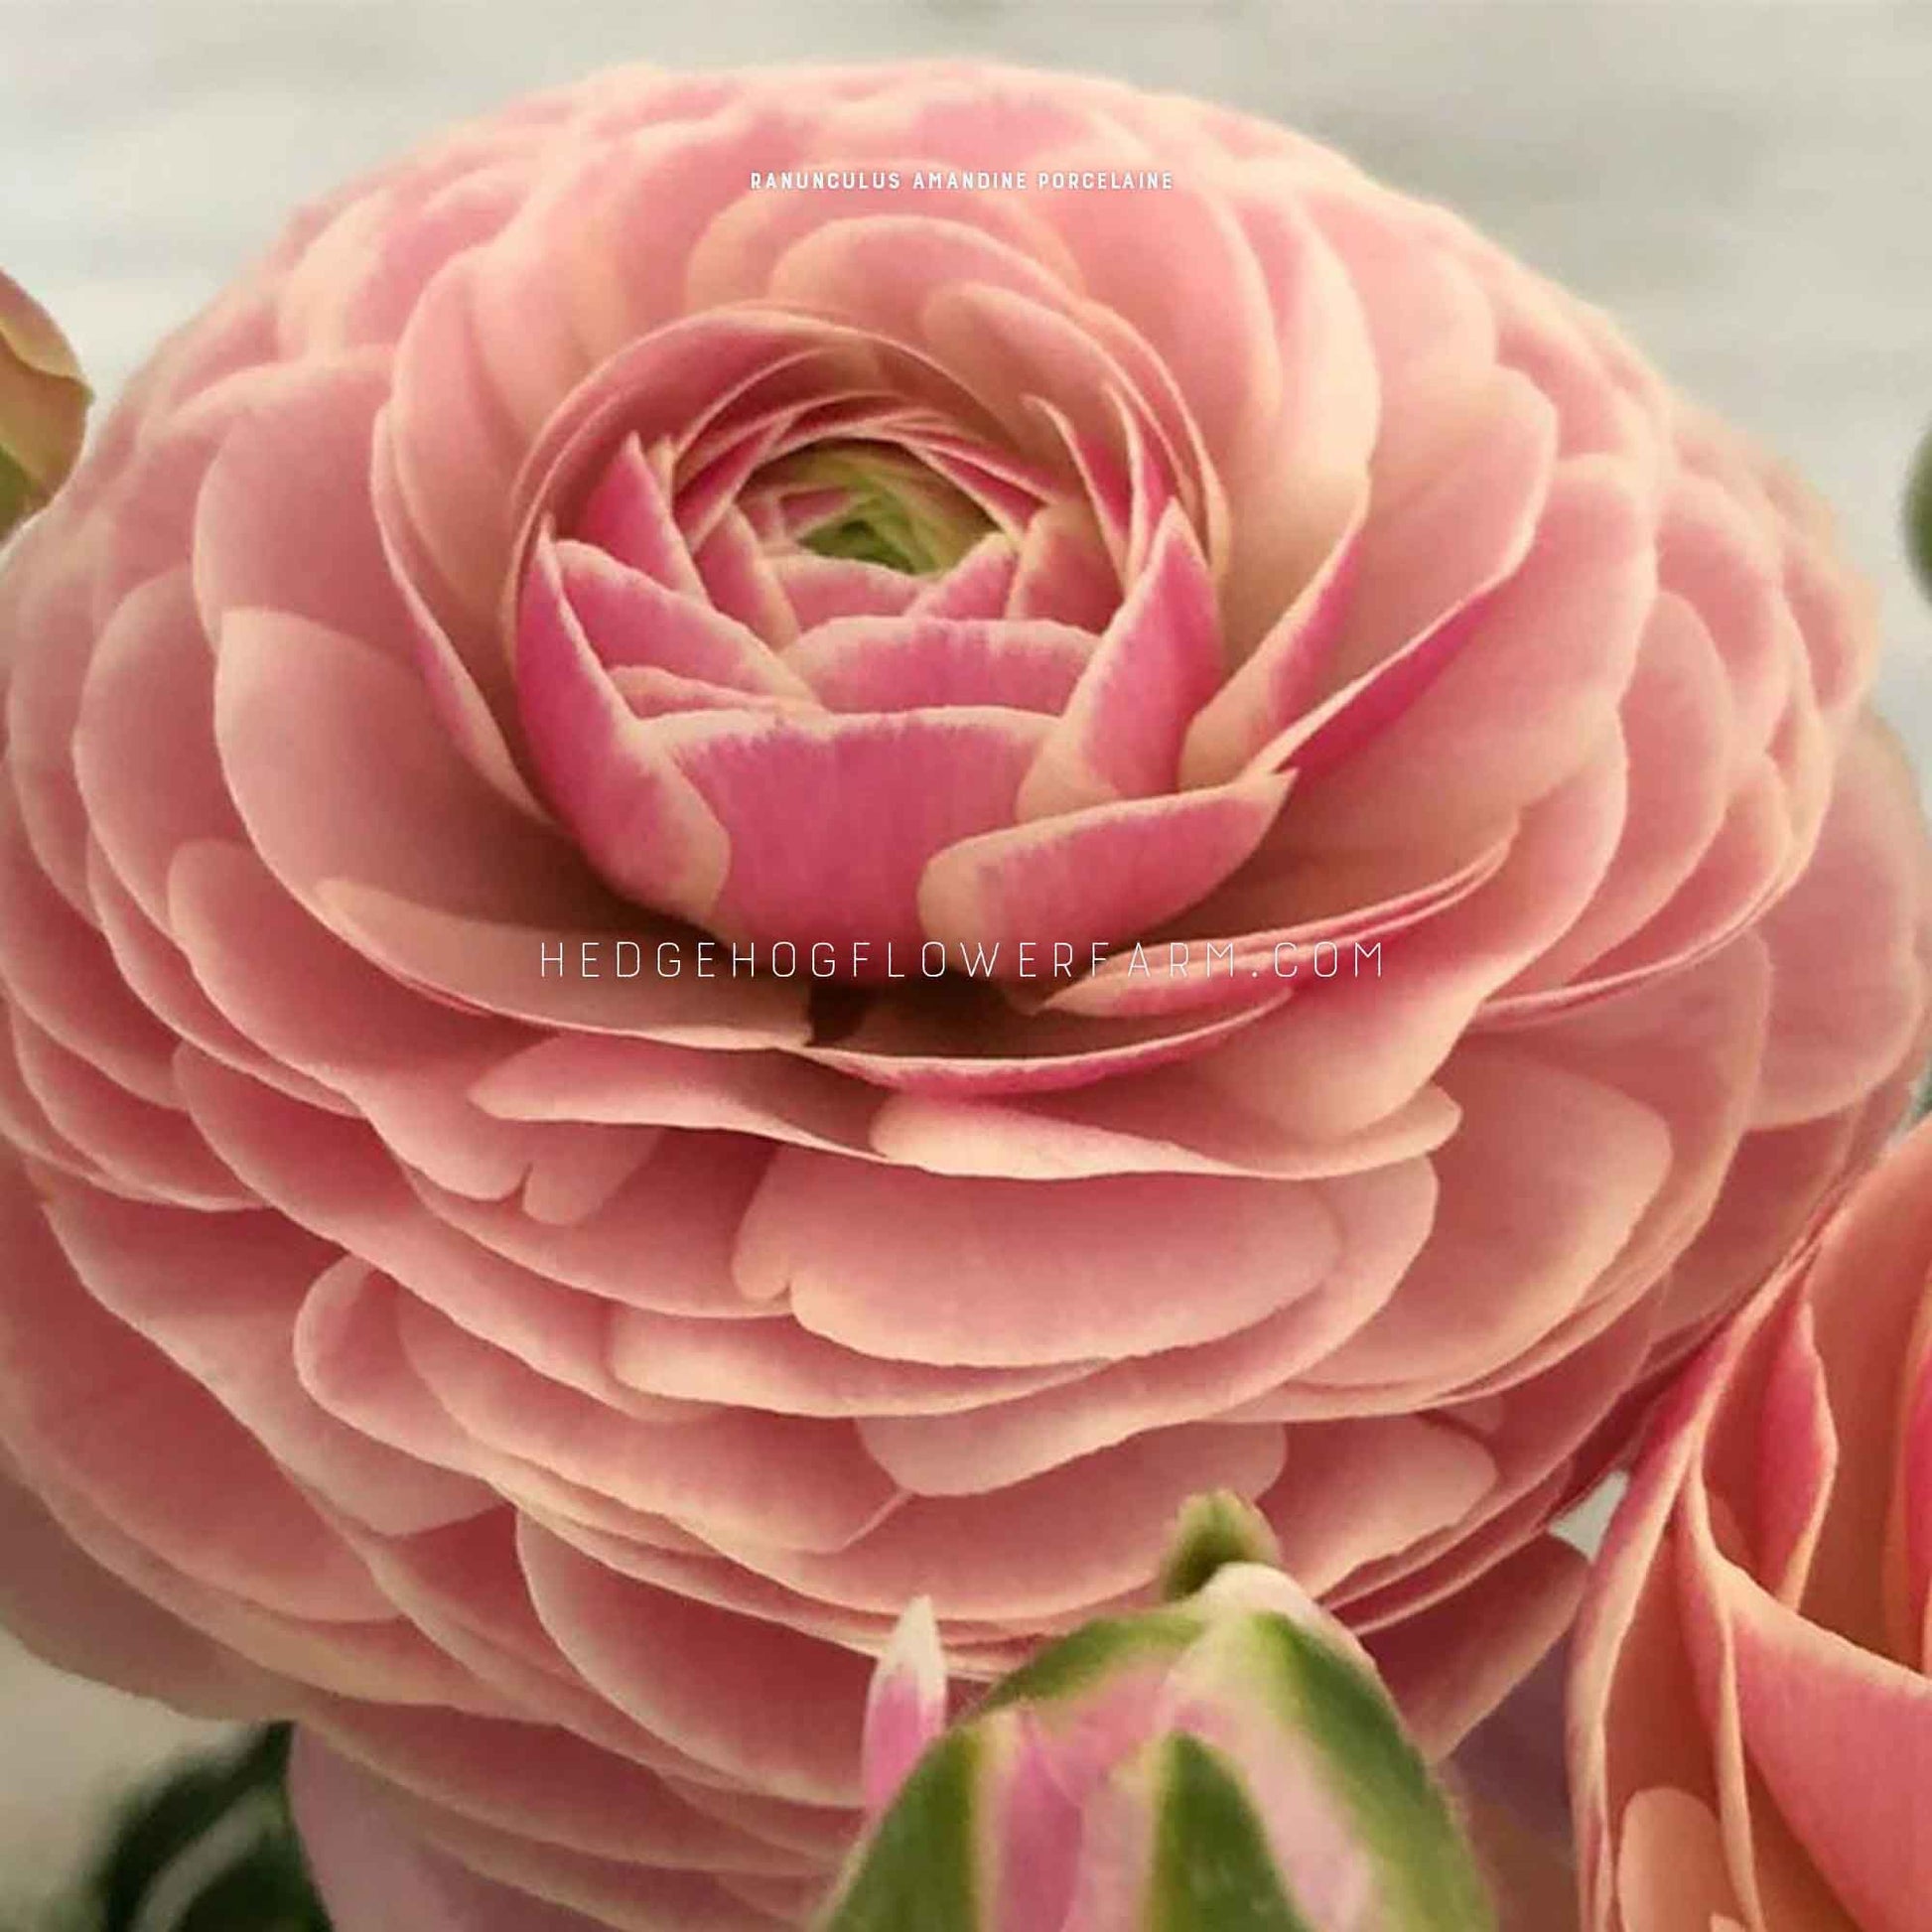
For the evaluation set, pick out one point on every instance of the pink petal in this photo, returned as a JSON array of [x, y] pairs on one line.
[[905, 1705], [1099, 875], [274, 526], [628, 516], [977, 586], [609, 776], [1063, 572], [1157, 664], [628, 619], [831, 821], [1035, 1271], [858, 663], [768, 1705]]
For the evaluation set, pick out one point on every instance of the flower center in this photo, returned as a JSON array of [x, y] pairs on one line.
[[877, 504]]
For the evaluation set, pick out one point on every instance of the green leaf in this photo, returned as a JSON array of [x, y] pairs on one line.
[[1212, 1868], [918, 1873], [208, 1847]]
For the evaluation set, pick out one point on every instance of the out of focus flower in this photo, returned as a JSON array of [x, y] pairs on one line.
[[1228, 1764], [1751, 1705], [43, 405], [1918, 514]]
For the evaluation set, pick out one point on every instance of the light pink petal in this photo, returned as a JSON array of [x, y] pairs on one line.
[[221, 1302], [368, 1869], [1269, 921], [1356, 1050], [977, 586], [1075, 1269], [468, 682], [1678, 736], [1818, 1713], [1157, 664], [1063, 572], [1725, 567], [859, 663], [1297, 477], [712, 1178], [275, 526], [1167, 1120], [1213, 327], [1846, 1001], [830, 822], [144, 749], [152, 1153], [821, 590], [998, 1050], [57, 971], [735, 256], [1083, 1536], [77, 1617], [567, 974], [628, 516], [743, 583], [313, 1004], [774, 1709], [775, 1365], [1451, 1667], [794, 1481], [1502, 721], [905, 1705], [94, 1411], [334, 1178], [583, 1077], [304, 714], [1100, 874], [1284, 675], [630, 618], [608, 775], [1544, 1181], [1382, 1219], [880, 273]]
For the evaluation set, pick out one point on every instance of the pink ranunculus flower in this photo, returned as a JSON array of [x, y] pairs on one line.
[[1752, 1702], [548, 1371]]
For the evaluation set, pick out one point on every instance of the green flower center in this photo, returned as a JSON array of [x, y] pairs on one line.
[[890, 509]]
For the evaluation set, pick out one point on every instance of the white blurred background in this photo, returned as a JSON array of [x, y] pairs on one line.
[[1744, 181]]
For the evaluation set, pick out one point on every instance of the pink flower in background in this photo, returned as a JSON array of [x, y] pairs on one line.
[[1751, 1705], [546, 1372]]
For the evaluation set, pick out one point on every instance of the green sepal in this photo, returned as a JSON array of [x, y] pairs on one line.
[[1215, 1530], [1076, 1663], [1214, 1870], [1430, 1878], [918, 1871]]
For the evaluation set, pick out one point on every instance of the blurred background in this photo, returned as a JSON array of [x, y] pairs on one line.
[[1743, 182]]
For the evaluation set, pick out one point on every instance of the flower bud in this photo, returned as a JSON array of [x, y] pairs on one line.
[[43, 405], [1229, 1762], [1918, 514]]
